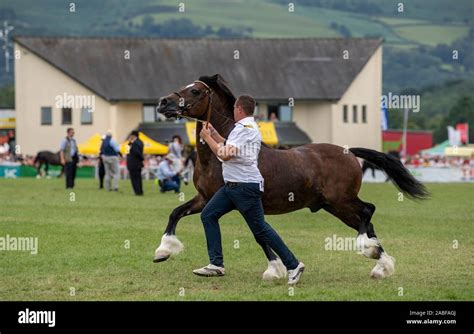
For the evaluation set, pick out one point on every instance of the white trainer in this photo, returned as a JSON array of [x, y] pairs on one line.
[[295, 274], [210, 270]]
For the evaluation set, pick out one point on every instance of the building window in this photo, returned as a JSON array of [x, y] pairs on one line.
[[345, 114], [354, 114], [149, 113], [364, 114], [66, 116], [46, 116], [272, 113], [279, 112], [286, 113], [86, 115]]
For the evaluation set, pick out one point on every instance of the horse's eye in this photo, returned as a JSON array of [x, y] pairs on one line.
[[195, 92]]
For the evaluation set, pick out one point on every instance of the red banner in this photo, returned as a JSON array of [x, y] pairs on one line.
[[463, 129]]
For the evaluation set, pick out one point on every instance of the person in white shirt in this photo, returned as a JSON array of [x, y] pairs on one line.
[[167, 177], [243, 190]]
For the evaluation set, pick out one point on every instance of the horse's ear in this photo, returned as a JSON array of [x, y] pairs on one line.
[[211, 80], [217, 81]]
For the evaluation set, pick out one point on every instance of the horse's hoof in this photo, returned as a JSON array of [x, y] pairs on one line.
[[161, 258], [385, 267], [276, 270]]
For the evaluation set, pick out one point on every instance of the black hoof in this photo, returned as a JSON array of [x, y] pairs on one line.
[[161, 259]]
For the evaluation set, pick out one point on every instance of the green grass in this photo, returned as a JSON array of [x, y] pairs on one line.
[[399, 21], [432, 34], [81, 245], [423, 21], [264, 17]]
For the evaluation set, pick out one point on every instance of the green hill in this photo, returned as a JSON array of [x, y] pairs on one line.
[[418, 37]]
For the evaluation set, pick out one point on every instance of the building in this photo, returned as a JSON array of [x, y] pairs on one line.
[[330, 88], [417, 140]]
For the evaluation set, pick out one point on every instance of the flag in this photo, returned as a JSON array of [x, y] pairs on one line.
[[384, 119], [454, 136], [463, 129]]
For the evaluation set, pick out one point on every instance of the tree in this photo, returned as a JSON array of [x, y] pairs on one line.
[[461, 112]]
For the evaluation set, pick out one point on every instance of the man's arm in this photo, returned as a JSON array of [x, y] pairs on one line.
[[61, 152], [214, 134], [115, 146], [168, 172], [224, 152]]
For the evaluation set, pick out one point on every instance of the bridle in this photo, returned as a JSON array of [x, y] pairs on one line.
[[182, 109]]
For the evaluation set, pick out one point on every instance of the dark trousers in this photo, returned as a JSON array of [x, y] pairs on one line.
[[136, 178], [101, 174], [247, 198], [70, 172], [172, 183]]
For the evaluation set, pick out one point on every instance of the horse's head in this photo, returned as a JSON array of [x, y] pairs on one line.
[[193, 100]]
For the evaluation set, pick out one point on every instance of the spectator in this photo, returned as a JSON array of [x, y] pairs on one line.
[[168, 179], [101, 172], [175, 149], [135, 162], [109, 152], [69, 157]]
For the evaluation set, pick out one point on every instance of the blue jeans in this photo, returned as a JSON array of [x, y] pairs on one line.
[[171, 184], [247, 198]]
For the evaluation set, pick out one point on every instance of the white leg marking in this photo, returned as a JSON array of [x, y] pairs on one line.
[[385, 267], [367, 247], [169, 245], [275, 270]]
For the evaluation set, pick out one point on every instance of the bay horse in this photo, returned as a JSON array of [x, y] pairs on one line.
[[47, 158], [317, 176]]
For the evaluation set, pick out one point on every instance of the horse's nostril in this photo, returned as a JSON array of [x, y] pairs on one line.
[[163, 102]]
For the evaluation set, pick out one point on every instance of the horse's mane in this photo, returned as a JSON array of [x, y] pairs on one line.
[[217, 83]]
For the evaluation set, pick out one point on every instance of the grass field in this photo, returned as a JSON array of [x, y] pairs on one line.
[[82, 246], [432, 34]]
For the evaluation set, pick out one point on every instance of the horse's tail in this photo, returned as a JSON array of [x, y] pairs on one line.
[[36, 159], [395, 170]]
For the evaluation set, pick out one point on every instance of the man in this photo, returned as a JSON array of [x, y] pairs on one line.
[[242, 191], [109, 151], [135, 162], [101, 172], [168, 179], [69, 157]]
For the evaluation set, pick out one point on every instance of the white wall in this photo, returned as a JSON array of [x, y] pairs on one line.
[[37, 84]]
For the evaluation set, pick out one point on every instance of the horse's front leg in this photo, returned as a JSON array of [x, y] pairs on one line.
[[169, 243]]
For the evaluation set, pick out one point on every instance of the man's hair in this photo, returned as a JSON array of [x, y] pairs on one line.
[[134, 133], [247, 103], [69, 130]]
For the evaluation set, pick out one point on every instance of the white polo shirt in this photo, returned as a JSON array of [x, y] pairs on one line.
[[244, 166]]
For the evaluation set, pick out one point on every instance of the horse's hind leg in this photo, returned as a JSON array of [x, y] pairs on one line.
[[385, 263], [358, 214]]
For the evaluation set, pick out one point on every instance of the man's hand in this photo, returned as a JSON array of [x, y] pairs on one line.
[[210, 127], [214, 134], [205, 134], [63, 162]]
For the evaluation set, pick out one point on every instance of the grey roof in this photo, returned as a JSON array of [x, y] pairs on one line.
[[269, 69]]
